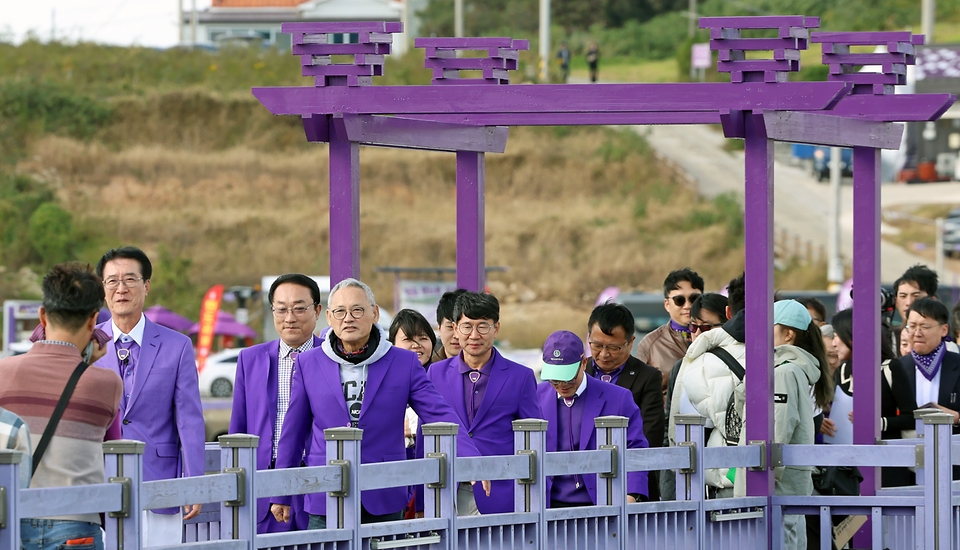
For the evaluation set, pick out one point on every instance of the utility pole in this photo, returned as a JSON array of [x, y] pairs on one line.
[[544, 40], [458, 18], [928, 15], [834, 262], [692, 25], [53, 24], [180, 22], [193, 23]]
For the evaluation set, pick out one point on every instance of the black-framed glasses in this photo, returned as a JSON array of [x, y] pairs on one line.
[[128, 282], [467, 329], [598, 347], [703, 327], [679, 300], [341, 313], [298, 311]]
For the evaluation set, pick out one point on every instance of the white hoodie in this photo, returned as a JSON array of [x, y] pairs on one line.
[[353, 377]]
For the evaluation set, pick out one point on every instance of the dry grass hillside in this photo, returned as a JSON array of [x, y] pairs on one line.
[[238, 193]]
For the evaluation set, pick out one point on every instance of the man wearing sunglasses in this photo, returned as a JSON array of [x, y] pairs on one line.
[[261, 393], [668, 343], [569, 402]]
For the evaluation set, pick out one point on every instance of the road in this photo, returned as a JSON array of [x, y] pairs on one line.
[[801, 205]]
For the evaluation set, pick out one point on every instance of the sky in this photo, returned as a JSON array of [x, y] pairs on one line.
[[119, 22]]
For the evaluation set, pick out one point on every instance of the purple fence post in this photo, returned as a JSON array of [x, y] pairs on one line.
[[440, 499], [238, 518], [758, 240], [691, 481], [937, 473], [343, 506], [344, 204], [530, 494], [471, 259], [123, 463], [9, 498]]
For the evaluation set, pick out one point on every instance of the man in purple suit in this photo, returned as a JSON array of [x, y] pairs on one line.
[[488, 392], [356, 378], [261, 392], [160, 404], [570, 401]]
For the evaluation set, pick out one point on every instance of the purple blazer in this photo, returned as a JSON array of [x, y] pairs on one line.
[[164, 409], [316, 403], [254, 412], [511, 394], [602, 399]]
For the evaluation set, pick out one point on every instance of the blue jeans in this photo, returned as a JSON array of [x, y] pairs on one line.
[[53, 534]]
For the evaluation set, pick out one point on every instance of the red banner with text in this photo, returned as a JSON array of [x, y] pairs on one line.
[[208, 320]]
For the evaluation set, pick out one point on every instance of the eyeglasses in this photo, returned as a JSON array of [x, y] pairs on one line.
[[694, 327], [558, 382], [298, 311], [466, 329], [598, 347], [128, 282], [341, 314], [923, 328], [679, 300]]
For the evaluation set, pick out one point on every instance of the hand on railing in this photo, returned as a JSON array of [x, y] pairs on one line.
[[281, 512], [191, 511]]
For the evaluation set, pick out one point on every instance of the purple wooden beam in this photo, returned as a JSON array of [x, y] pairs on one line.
[[574, 119], [820, 129], [761, 22], [894, 108], [471, 256], [421, 134], [758, 241], [317, 128], [344, 204], [551, 98], [320, 27], [866, 308]]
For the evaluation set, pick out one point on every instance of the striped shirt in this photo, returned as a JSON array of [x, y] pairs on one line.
[[284, 376], [15, 436]]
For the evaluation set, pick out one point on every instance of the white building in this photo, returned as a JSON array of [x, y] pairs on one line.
[[250, 20]]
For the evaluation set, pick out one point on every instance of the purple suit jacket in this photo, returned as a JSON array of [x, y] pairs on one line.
[[316, 403], [602, 399], [511, 394], [164, 408], [254, 412]]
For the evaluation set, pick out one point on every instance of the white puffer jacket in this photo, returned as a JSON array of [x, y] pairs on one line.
[[708, 383]]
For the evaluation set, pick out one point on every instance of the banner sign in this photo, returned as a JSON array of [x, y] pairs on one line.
[[700, 56], [208, 320], [423, 296]]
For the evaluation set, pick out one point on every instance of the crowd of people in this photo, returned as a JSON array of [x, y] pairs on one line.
[[389, 381]]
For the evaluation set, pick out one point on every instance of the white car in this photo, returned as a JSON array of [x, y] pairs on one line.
[[217, 376]]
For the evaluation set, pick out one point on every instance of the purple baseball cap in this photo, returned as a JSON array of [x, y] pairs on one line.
[[562, 353]]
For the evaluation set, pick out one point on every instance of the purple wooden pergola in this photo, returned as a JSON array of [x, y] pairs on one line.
[[468, 114]]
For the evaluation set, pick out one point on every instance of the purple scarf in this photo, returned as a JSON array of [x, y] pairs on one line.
[[929, 365], [678, 327]]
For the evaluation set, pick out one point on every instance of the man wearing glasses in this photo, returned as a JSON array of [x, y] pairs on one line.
[[488, 392], [261, 392], [668, 343], [356, 378], [160, 404], [610, 334], [570, 401]]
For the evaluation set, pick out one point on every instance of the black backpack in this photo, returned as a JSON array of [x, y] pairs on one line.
[[734, 421]]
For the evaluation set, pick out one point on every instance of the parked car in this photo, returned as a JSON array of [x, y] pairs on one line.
[[216, 379], [951, 233], [821, 163]]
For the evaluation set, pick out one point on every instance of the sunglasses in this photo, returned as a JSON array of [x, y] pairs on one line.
[[679, 300], [694, 327]]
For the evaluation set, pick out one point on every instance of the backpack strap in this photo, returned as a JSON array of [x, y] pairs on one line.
[[735, 367], [57, 413]]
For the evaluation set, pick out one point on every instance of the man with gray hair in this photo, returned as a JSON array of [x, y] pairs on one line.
[[356, 378]]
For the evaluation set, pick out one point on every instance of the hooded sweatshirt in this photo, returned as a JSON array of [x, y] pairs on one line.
[[794, 372], [353, 375]]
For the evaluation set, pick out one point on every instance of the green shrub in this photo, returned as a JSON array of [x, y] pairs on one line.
[[51, 234]]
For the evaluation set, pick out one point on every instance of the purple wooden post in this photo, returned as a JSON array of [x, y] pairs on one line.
[[758, 241], [471, 260], [344, 204]]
